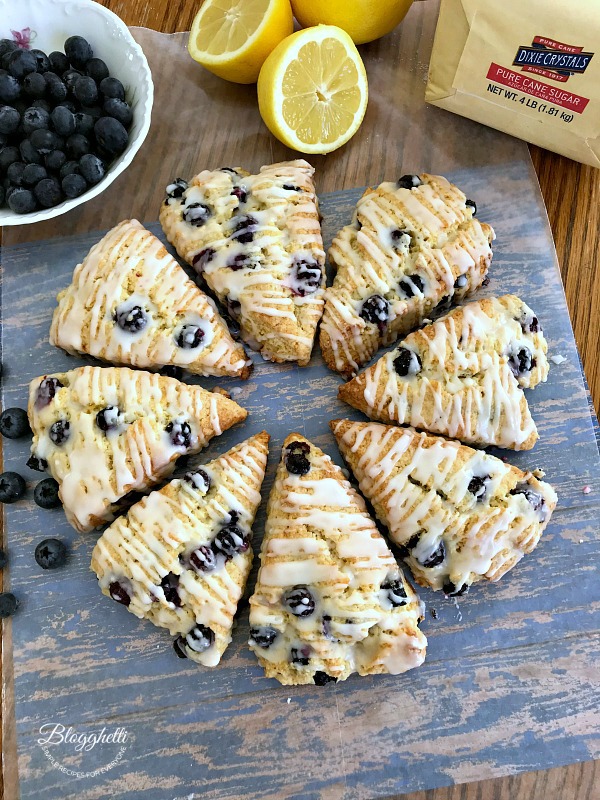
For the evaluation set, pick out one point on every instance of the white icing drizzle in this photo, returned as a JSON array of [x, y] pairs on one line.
[[130, 267], [436, 239], [319, 535], [465, 387], [419, 486], [142, 547], [284, 228]]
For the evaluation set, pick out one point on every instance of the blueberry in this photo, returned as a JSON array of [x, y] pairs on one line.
[[263, 636], [55, 160], [229, 169], [91, 168], [409, 182], [119, 593], [478, 486], [199, 639], [97, 69], [175, 190], [535, 499], [111, 135], [401, 238], [63, 121], [29, 154], [240, 261], [375, 310], [45, 494], [34, 85], [395, 592], [51, 553], [409, 283], [295, 458], [33, 173], [9, 88], [530, 324], [8, 605], [170, 371], [84, 123], [77, 146], [14, 423], [243, 231], [70, 78], [199, 480], [196, 214], [37, 464], [60, 431], [231, 540], [203, 258], [7, 46], [112, 87], [22, 201], [306, 277], [73, 185], [451, 590], [240, 193], [461, 282], [12, 487], [55, 87], [320, 678], [108, 418], [189, 337], [45, 141], [203, 559], [78, 51], [85, 90], [21, 63], [170, 587], [436, 557], [3, 559], [48, 192], [46, 391], [35, 118], [521, 361], [407, 362], [471, 204], [8, 155], [9, 119], [118, 109], [291, 188], [299, 601], [42, 60], [39, 102], [59, 63], [300, 655], [69, 168], [15, 173], [131, 318], [180, 433]]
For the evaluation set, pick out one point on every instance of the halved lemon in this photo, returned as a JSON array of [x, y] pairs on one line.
[[312, 90], [232, 38]]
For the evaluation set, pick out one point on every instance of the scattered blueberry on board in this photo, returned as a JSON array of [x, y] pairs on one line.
[[12, 487], [8, 604], [63, 120], [51, 553], [14, 423]]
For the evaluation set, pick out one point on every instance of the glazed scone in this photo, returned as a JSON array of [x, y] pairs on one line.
[[460, 515], [103, 432], [461, 376], [330, 598], [414, 247], [131, 303], [256, 239], [181, 556]]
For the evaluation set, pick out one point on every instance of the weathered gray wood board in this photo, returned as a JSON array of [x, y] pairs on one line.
[[511, 678]]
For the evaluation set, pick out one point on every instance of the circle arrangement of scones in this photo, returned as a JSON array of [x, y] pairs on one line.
[[256, 240], [181, 556], [104, 432], [413, 248], [329, 598], [131, 303]]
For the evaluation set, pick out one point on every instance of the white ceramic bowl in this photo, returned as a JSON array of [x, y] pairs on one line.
[[53, 21]]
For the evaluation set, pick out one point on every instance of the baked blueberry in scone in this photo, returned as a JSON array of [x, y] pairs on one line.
[[131, 303], [256, 240], [330, 599], [105, 432], [460, 515], [413, 248], [461, 376], [181, 556]]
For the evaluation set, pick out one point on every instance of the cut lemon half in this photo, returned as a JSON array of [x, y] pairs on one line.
[[232, 38], [312, 90]]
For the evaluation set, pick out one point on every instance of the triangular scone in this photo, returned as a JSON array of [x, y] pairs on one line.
[[459, 514], [181, 556], [329, 599], [414, 246], [256, 239], [131, 303], [103, 432], [461, 376]]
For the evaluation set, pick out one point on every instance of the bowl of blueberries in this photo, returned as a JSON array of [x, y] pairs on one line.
[[76, 99]]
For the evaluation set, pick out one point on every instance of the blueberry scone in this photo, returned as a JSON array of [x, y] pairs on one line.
[[181, 556], [131, 303], [413, 248], [459, 515], [461, 376], [105, 432], [329, 599], [256, 239]]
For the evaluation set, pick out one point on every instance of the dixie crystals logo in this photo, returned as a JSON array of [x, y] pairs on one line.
[[552, 59]]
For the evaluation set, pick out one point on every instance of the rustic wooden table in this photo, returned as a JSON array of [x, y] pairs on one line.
[[572, 195]]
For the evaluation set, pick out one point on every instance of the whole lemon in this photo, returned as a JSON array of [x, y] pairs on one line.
[[363, 20]]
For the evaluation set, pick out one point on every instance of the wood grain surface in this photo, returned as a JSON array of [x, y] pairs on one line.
[[571, 192]]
